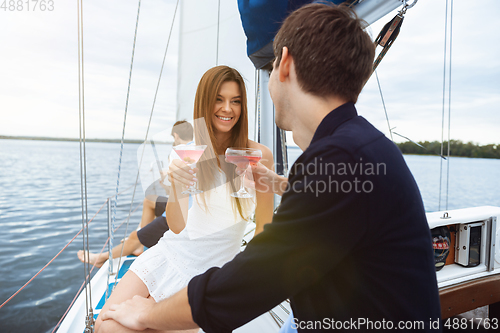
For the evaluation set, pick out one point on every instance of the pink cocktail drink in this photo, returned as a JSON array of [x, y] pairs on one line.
[[242, 157], [242, 161], [189, 156]]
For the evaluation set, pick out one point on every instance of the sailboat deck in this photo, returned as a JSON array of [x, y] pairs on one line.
[[470, 295]]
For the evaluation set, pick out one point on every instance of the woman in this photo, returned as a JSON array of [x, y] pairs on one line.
[[153, 221], [210, 232]]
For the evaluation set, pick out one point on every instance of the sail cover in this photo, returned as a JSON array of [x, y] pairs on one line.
[[261, 20]]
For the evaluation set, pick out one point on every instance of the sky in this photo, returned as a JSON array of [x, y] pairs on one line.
[[39, 71]]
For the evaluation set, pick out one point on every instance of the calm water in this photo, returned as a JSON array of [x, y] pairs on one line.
[[40, 211]]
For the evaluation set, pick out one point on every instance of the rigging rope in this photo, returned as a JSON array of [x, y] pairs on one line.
[[418, 144], [218, 27], [390, 32], [387, 36], [113, 219], [449, 103], [150, 118], [383, 104], [89, 321]]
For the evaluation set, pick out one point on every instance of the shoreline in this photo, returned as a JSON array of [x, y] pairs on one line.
[[36, 138], [401, 146]]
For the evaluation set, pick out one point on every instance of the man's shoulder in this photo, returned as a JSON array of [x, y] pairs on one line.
[[356, 133], [351, 137], [355, 141]]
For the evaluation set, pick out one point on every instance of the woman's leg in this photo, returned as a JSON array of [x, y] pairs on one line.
[[129, 286]]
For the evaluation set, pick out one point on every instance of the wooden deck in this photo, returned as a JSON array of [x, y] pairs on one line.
[[471, 295]]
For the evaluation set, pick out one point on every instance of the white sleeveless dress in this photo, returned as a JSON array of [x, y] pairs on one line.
[[210, 239]]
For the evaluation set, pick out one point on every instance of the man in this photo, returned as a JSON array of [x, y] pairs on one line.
[[350, 245]]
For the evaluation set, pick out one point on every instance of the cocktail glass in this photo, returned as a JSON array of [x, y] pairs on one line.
[[190, 154], [242, 157]]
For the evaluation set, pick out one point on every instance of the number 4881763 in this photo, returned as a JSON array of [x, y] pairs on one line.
[[474, 323], [27, 5]]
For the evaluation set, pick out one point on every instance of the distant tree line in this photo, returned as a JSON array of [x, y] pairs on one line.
[[457, 148], [68, 139]]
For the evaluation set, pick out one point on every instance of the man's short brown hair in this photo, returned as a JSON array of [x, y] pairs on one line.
[[184, 129], [332, 53]]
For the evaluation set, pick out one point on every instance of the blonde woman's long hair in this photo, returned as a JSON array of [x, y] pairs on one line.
[[204, 104]]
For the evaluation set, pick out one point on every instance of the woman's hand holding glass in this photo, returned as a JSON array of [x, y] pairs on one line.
[[262, 179], [190, 154], [181, 175], [242, 157]]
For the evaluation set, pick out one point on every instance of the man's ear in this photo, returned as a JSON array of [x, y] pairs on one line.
[[284, 65]]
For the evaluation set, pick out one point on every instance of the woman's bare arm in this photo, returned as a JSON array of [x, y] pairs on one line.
[[180, 176]]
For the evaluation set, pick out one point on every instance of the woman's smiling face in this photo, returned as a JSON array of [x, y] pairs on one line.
[[227, 108]]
